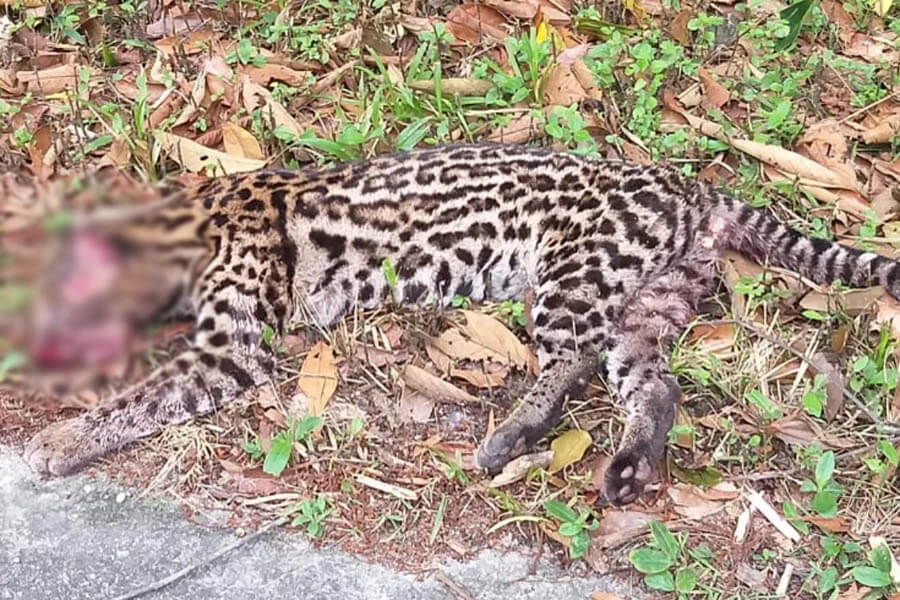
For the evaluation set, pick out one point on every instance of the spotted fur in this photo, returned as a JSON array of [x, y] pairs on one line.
[[618, 256]]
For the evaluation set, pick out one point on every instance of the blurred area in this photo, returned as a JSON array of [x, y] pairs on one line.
[[62, 330]]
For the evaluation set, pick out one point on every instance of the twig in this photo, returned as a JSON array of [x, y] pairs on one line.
[[868, 107], [177, 575], [886, 427], [455, 589], [785, 528]]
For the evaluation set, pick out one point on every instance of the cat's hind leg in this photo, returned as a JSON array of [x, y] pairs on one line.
[[637, 366]]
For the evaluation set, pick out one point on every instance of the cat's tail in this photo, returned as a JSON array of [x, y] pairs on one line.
[[759, 235]]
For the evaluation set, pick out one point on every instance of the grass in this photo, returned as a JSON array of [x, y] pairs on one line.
[[357, 79]]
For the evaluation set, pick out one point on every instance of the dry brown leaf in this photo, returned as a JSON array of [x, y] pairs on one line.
[[518, 468], [853, 302], [171, 25], [422, 381], [492, 334], [826, 143], [240, 142], [471, 23], [256, 96], [454, 86], [887, 312], [618, 527], [414, 408], [689, 501], [481, 379], [455, 345], [883, 132], [679, 27], [568, 448], [54, 79], [870, 49], [194, 42], [270, 72], [713, 338], [838, 15], [797, 430], [807, 170], [854, 593], [194, 157], [562, 87], [830, 524], [716, 94], [379, 357], [834, 386], [318, 377], [604, 596], [520, 130]]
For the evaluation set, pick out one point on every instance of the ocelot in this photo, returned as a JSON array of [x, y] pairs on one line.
[[617, 256]]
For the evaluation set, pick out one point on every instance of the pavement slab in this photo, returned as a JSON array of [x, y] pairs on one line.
[[88, 539]]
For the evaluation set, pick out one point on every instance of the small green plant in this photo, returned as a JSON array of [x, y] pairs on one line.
[[877, 574], [312, 514], [460, 301], [814, 400], [574, 526], [826, 491], [513, 313], [659, 559], [281, 446], [566, 125]]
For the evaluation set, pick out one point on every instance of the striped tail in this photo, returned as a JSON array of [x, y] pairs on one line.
[[761, 236]]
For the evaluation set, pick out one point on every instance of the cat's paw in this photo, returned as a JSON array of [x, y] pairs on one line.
[[505, 444], [60, 449], [627, 474]]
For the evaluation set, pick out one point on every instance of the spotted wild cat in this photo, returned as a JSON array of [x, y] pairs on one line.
[[617, 255]]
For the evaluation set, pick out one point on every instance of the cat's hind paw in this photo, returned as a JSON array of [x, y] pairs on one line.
[[626, 476]]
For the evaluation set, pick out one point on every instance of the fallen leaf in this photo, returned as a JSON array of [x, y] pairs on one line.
[[240, 142], [270, 72], [617, 527], [689, 501], [562, 87], [318, 377], [569, 448], [379, 357], [54, 79], [193, 42], [604, 596], [678, 29], [470, 23], [455, 345], [453, 86], [518, 468], [256, 97], [853, 302], [716, 94], [755, 579], [519, 130], [883, 132], [834, 384], [716, 339], [415, 407], [829, 524], [887, 312], [492, 334], [194, 157], [482, 379], [422, 381]]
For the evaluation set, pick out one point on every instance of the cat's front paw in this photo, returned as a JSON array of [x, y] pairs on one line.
[[500, 447], [60, 449], [627, 474]]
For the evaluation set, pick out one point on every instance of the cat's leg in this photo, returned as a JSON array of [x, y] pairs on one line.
[[569, 331], [637, 366], [226, 359]]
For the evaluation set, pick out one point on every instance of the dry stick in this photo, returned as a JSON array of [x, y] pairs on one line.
[[455, 589], [892, 428], [160, 584]]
